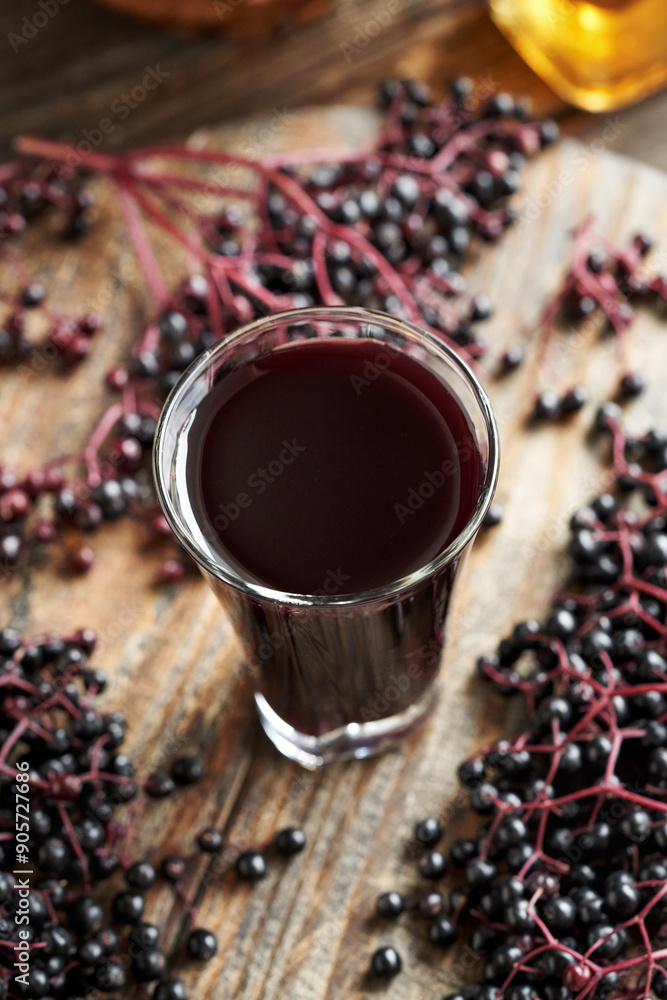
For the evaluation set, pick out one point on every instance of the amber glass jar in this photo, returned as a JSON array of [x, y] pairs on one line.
[[599, 55]]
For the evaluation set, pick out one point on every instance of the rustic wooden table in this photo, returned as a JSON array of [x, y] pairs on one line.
[[307, 931]]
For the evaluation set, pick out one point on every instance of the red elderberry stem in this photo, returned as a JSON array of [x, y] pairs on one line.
[[140, 242]]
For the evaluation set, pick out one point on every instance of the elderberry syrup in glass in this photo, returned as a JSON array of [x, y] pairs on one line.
[[328, 469]]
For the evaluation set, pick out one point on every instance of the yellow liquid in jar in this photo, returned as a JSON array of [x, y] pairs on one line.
[[600, 55]]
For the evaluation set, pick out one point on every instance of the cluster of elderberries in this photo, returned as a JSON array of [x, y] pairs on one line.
[[28, 186], [64, 780], [602, 287], [563, 891]]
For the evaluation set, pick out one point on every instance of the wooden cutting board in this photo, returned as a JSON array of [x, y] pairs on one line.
[[307, 931]]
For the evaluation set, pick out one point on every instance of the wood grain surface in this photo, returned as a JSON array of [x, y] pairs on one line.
[[307, 931]]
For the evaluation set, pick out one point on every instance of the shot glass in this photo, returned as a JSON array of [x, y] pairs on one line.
[[335, 675]]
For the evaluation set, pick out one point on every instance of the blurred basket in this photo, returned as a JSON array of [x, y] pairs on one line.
[[240, 18]]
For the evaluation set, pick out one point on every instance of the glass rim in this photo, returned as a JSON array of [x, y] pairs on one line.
[[313, 314]]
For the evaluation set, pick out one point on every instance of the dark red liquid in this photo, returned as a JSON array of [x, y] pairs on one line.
[[332, 467]]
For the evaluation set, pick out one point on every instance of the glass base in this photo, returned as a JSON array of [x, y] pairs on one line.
[[356, 740]]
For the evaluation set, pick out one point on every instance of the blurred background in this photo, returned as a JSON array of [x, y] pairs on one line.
[[169, 66]]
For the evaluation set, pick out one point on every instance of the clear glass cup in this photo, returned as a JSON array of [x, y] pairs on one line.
[[339, 675]]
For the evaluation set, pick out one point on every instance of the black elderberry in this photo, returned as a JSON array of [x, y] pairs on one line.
[[140, 875], [432, 865], [210, 841], [109, 977], [547, 406], [502, 961], [52, 855], [659, 983], [479, 873], [493, 516], [631, 385], [172, 869], [390, 905], [251, 866], [428, 831], [518, 916], [609, 414], [606, 941], [202, 944], [471, 772], [518, 856], [187, 770], [431, 904], [386, 963], [159, 785], [85, 915], [461, 851], [170, 989], [512, 358], [290, 841], [90, 953], [442, 932], [108, 940], [173, 325], [144, 935], [559, 914], [622, 899], [128, 907], [636, 824], [148, 965], [510, 831]]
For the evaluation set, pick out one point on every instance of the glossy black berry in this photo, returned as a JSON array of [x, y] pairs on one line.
[[187, 770], [159, 785], [148, 966], [386, 963], [631, 385], [140, 875], [390, 905], [109, 977], [172, 869], [547, 406], [432, 865], [202, 944], [128, 907], [479, 873], [145, 935], [85, 915], [170, 989], [290, 841], [461, 851], [251, 866], [573, 400], [493, 516], [442, 932], [428, 831], [210, 840]]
